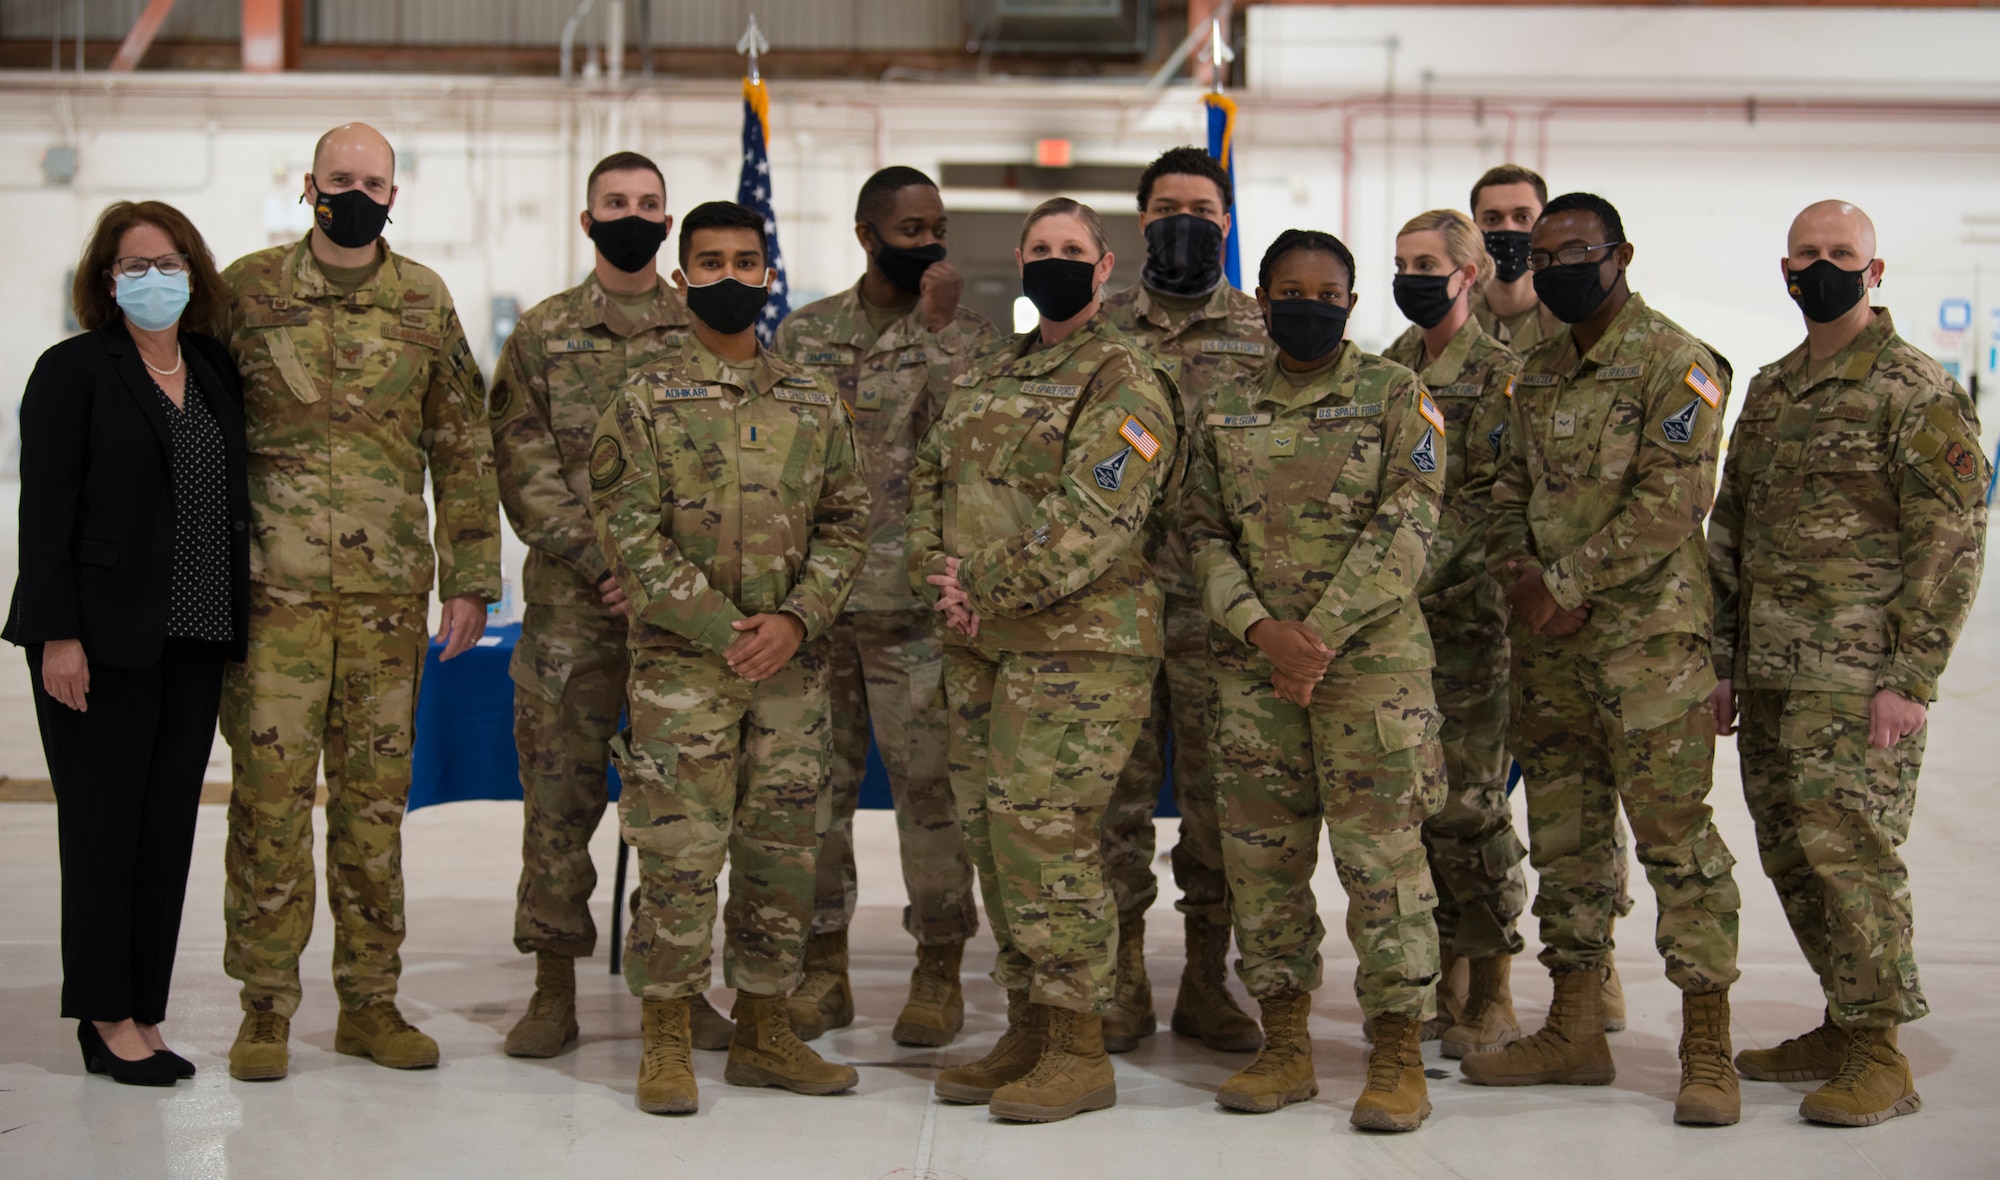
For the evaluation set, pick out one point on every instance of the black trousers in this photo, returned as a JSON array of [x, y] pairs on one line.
[[127, 774]]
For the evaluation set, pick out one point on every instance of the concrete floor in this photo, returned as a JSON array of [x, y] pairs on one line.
[[485, 1114]]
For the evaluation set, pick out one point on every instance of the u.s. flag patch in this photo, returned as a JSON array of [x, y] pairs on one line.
[[1142, 440], [1429, 409], [1702, 384]]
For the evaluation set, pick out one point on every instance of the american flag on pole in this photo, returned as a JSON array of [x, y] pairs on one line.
[[753, 190]]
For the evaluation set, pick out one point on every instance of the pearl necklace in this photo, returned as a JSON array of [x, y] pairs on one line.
[[179, 360]]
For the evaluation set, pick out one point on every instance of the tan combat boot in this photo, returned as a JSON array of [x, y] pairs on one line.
[[666, 1071], [1814, 1057], [1570, 1049], [1011, 1060], [1283, 1072], [259, 1054], [935, 1010], [1487, 1021], [767, 1053], [707, 1028], [1073, 1076], [1873, 1084], [1130, 1017], [1396, 1098], [1614, 998], [550, 1022], [823, 999], [379, 1031], [1710, 1095], [1203, 1008]]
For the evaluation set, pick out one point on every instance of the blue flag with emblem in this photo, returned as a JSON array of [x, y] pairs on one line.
[[753, 190], [1222, 148]]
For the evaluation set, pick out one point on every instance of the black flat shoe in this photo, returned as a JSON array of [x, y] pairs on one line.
[[183, 1068], [98, 1058]]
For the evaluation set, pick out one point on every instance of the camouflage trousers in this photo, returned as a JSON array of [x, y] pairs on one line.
[[887, 669], [1037, 743], [713, 765], [1593, 730], [569, 673], [1181, 705], [331, 674], [1365, 762], [1474, 851], [1831, 811]]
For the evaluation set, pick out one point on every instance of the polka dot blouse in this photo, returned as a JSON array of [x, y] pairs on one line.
[[198, 607]]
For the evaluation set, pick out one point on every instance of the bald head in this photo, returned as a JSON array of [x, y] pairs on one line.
[[353, 156], [1831, 229]]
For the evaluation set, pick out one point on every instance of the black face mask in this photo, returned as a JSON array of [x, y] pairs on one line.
[[628, 243], [351, 219], [1424, 298], [1306, 329], [1183, 255], [1824, 291], [904, 266], [1573, 292], [1060, 288], [1509, 248], [727, 305]]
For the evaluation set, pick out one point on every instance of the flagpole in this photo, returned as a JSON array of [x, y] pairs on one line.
[[753, 185]]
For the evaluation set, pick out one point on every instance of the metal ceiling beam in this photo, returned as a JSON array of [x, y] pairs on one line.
[[140, 39]]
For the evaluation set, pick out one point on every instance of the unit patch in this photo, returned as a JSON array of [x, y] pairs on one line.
[[1493, 437], [1679, 426], [500, 400], [1111, 473], [1963, 463], [1425, 456], [607, 462]]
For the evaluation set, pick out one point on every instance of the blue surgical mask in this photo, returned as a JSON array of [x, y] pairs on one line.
[[153, 301]]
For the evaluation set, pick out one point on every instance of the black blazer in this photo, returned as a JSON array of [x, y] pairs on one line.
[[97, 497]]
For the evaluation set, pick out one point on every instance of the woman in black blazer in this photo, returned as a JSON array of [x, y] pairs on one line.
[[133, 591]]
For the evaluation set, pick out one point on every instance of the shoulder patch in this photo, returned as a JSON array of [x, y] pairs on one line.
[[685, 393], [1233, 420], [500, 400], [1704, 385], [1429, 409], [1046, 389], [1362, 410], [575, 344], [607, 462], [1494, 436], [1234, 347], [1141, 439], [1678, 427], [1424, 457], [1110, 474], [1963, 462], [1619, 372]]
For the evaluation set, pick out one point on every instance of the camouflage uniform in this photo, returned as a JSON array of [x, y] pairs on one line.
[[1521, 331], [1845, 550], [1316, 501], [1607, 474], [888, 659], [1221, 341], [347, 399], [1041, 475], [1475, 854], [564, 363], [719, 494]]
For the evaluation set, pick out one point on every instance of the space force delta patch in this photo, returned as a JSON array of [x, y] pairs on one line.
[[1111, 473], [1494, 435], [1425, 456], [1679, 425]]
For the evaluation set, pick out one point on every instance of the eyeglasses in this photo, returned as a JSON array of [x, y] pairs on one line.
[[166, 264], [1568, 255]]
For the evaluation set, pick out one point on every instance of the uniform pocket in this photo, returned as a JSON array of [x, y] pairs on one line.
[[649, 816], [1403, 726], [412, 364], [540, 668], [389, 708], [1825, 734]]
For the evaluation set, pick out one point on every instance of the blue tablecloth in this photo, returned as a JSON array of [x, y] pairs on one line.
[[465, 732]]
